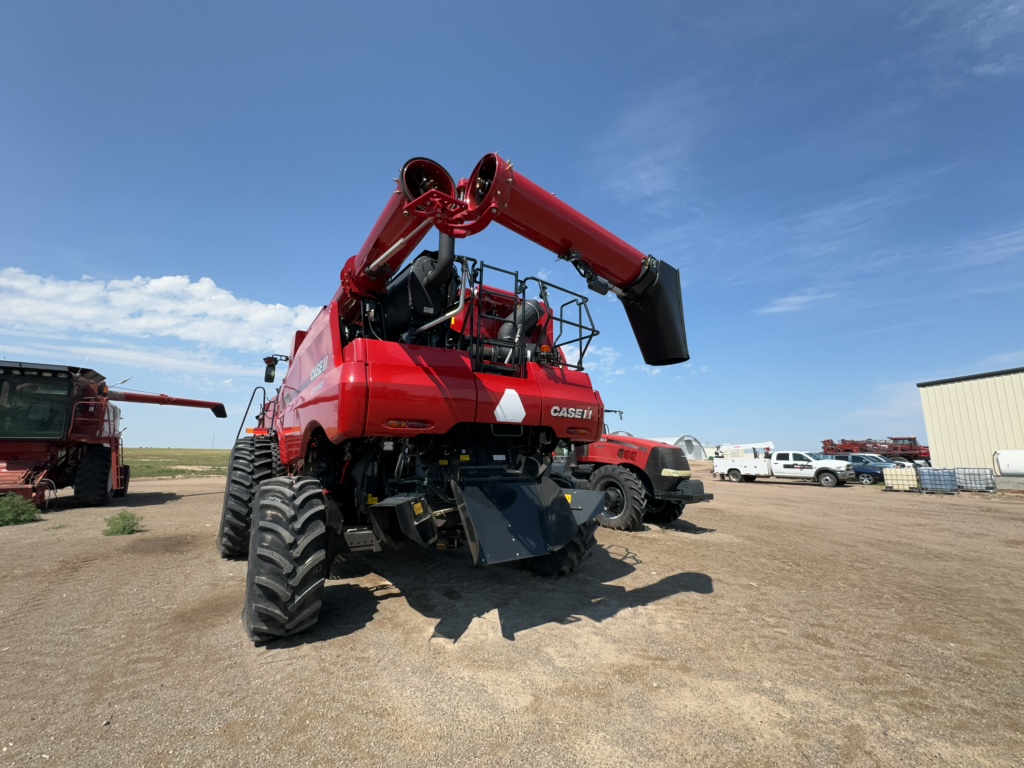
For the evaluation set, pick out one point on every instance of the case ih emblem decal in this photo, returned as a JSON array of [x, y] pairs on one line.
[[572, 413], [318, 370]]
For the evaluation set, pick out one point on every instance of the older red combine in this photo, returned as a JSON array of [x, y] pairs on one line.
[[424, 404], [59, 429]]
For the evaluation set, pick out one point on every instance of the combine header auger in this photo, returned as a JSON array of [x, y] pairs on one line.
[[58, 428], [424, 404]]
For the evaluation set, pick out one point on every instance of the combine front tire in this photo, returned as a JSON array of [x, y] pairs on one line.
[[287, 559], [252, 461], [664, 512], [626, 497], [93, 480], [569, 558]]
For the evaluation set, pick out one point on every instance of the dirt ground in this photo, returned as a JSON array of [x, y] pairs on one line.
[[780, 624]]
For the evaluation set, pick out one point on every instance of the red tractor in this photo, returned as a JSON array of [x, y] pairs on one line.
[[643, 480], [59, 429], [892, 447], [425, 403]]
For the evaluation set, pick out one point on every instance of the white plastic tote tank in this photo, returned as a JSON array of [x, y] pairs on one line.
[[1009, 463]]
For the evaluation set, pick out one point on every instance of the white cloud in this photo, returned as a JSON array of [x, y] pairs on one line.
[[983, 38], [793, 302], [988, 249], [649, 148], [170, 307]]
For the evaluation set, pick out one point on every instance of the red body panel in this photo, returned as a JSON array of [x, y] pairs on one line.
[[387, 389], [610, 449]]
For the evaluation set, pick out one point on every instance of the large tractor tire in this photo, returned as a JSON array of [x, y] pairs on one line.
[[252, 461], [93, 479], [664, 512], [287, 559], [569, 558], [626, 497]]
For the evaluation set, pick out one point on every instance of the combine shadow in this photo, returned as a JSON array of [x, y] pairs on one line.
[[446, 587], [131, 501], [151, 499]]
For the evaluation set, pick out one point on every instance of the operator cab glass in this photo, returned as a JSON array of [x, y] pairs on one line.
[[33, 406]]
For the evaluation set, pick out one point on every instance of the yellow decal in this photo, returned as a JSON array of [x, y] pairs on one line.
[[443, 462], [464, 457], [417, 508], [371, 499], [568, 497]]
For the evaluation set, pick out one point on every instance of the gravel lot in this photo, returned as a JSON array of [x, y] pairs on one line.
[[780, 624]]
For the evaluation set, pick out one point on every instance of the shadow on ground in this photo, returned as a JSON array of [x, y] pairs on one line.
[[685, 526], [445, 586], [131, 501]]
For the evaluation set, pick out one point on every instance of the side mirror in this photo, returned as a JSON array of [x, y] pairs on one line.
[[268, 375]]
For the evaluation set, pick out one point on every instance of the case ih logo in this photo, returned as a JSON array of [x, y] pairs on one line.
[[318, 370], [572, 413]]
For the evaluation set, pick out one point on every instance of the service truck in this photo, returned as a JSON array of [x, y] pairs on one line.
[[791, 465]]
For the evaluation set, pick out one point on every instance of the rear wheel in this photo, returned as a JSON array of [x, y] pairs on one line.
[[625, 497], [664, 512], [735, 475], [287, 559], [94, 480], [827, 480], [569, 558], [865, 479], [252, 461]]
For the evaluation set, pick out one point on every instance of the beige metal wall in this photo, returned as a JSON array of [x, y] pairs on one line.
[[968, 421]]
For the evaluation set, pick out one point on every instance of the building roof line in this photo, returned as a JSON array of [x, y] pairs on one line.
[[954, 380]]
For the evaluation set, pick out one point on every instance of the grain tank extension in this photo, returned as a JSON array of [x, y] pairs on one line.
[[425, 402]]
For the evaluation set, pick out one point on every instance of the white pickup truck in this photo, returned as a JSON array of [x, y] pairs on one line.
[[791, 465]]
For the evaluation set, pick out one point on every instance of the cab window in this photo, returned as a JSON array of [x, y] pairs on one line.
[[782, 457]]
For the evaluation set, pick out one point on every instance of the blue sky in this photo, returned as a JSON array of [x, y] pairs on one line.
[[841, 188]]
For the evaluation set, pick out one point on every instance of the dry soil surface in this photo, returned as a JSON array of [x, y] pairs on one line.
[[780, 624]]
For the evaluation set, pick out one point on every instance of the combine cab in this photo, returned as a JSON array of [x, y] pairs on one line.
[[58, 428], [424, 404]]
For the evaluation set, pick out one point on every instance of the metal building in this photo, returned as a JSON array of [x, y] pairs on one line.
[[970, 418]]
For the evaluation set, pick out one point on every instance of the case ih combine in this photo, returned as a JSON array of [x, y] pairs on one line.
[[892, 447], [424, 404], [58, 428]]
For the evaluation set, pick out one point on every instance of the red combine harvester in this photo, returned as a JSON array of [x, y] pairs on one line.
[[892, 448], [59, 429], [425, 404]]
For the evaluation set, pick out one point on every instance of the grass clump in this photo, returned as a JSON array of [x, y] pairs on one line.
[[123, 524], [15, 510]]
